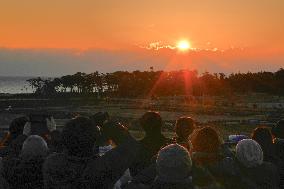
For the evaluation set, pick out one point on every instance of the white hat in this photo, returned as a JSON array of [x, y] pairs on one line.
[[249, 153], [33, 146]]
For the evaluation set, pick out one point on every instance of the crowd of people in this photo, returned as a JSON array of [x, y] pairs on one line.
[[96, 152]]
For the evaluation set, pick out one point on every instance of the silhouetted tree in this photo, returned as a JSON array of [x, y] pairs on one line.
[[162, 83]]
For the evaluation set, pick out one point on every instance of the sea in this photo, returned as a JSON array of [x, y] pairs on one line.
[[15, 85]]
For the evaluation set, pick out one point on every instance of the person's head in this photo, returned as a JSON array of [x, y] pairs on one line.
[[173, 165], [184, 127], [249, 153], [151, 123], [79, 136], [278, 129], [17, 126], [99, 118], [34, 146], [206, 140], [263, 136], [206, 144]]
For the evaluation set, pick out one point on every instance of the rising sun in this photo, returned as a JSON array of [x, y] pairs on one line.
[[183, 45]]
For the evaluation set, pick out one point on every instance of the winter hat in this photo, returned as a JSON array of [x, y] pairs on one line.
[[34, 146], [173, 164], [249, 153]]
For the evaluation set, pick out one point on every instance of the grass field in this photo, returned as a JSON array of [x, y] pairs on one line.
[[130, 117]]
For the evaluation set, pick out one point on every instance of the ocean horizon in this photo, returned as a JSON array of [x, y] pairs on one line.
[[15, 84]]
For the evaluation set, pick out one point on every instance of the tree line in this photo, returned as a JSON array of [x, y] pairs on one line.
[[161, 83]]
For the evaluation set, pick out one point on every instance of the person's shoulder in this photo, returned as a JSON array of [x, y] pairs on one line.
[[56, 155], [268, 166], [226, 166], [278, 142], [10, 162], [55, 159], [19, 140], [227, 161], [266, 172]]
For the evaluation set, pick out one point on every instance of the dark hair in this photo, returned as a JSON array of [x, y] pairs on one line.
[[79, 136], [17, 126], [151, 122], [206, 140], [99, 118], [278, 129], [263, 136], [184, 127]]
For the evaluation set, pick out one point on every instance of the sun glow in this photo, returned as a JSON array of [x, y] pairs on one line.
[[183, 45]]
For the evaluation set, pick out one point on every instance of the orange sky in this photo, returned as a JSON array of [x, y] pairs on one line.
[[115, 24], [56, 37]]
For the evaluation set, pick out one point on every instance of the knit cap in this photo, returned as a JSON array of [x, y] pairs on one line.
[[173, 164], [34, 146], [249, 153]]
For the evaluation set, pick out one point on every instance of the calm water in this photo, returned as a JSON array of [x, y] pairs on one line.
[[14, 85]]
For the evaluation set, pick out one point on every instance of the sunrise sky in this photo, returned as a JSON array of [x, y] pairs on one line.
[[55, 37]]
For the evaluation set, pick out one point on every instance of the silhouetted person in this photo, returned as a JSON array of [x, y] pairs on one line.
[[25, 172], [79, 167], [250, 157], [16, 128], [183, 128], [151, 122], [99, 118], [11, 145], [171, 169], [212, 167], [207, 142], [263, 136], [278, 132], [174, 168]]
